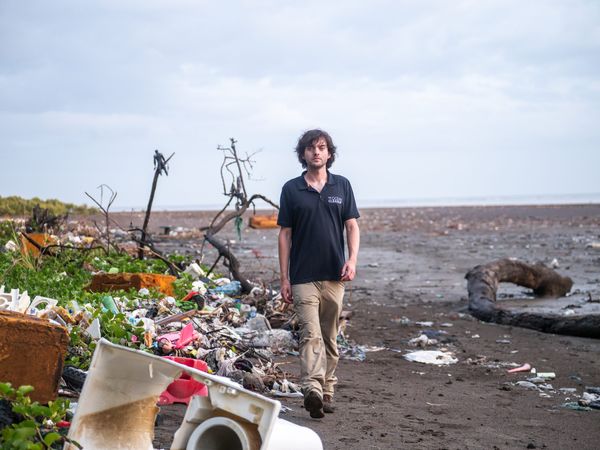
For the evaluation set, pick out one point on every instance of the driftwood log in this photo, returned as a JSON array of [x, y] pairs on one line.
[[230, 261], [483, 284]]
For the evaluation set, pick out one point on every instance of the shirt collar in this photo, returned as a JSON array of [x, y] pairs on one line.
[[302, 185]]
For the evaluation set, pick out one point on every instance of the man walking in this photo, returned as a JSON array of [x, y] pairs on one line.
[[315, 208]]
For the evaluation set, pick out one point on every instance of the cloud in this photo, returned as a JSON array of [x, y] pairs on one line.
[[453, 85]]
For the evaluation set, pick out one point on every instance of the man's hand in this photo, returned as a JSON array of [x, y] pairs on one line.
[[348, 271], [284, 245], [353, 234], [286, 291]]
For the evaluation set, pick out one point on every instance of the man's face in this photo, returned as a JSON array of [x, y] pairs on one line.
[[317, 154]]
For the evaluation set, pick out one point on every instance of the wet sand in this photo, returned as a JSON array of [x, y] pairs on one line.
[[412, 265]]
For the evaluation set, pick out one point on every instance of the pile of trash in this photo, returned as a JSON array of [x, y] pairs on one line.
[[200, 316], [228, 333]]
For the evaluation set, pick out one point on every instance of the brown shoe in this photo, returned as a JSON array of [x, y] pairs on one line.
[[314, 405], [328, 404]]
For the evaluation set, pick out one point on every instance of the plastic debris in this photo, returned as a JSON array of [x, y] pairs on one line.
[[435, 357], [527, 384], [280, 341], [11, 246], [575, 406], [94, 330], [350, 350], [231, 288], [547, 375], [182, 389], [568, 390], [590, 400], [524, 368], [401, 320], [422, 341], [195, 271], [120, 395]]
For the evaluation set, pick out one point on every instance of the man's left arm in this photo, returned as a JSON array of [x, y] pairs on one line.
[[353, 237]]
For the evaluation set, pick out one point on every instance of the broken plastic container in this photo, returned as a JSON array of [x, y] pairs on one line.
[[117, 408], [182, 389]]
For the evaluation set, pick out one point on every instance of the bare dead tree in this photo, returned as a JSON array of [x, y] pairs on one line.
[[105, 211], [42, 220], [233, 171], [160, 166]]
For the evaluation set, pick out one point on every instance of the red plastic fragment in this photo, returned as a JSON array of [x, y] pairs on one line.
[[182, 389]]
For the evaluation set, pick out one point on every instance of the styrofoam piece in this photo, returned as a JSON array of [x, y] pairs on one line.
[[117, 406], [289, 436], [39, 300], [5, 300], [195, 271], [15, 301], [435, 357], [23, 302], [94, 329]]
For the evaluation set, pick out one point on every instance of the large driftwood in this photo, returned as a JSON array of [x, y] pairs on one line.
[[483, 284]]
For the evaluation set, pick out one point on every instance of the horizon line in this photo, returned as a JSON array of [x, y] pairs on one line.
[[497, 200]]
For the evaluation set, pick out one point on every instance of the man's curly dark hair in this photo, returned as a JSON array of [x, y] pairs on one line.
[[308, 139]]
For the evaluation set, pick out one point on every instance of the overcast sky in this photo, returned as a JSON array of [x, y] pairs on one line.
[[424, 99]]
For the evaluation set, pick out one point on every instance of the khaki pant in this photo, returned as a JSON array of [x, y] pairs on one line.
[[318, 306]]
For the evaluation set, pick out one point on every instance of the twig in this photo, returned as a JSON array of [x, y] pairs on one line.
[[113, 196]]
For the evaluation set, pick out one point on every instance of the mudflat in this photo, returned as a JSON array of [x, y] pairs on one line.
[[411, 270]]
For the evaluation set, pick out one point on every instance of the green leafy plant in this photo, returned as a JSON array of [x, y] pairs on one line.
[[38, 427], [7, 231], [80, 350], [125, 263], [182, 285], [61, 277]]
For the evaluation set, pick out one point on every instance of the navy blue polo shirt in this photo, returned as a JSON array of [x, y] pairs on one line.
[[317, 223]]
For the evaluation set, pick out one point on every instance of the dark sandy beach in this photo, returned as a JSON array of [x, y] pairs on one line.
[[411, 268]]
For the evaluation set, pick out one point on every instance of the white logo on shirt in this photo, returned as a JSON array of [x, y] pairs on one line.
[[334, 199]]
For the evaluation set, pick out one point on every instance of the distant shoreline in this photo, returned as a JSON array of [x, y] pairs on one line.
[[422, 218], [215, 209], [533, 200]]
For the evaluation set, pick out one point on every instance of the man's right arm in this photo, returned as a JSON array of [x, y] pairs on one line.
[[285, 245]]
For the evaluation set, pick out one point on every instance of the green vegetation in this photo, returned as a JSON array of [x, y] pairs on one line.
[[38, 427], [17, 206], [125, 263], [62, 277], [7, 231], [66, 275]]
